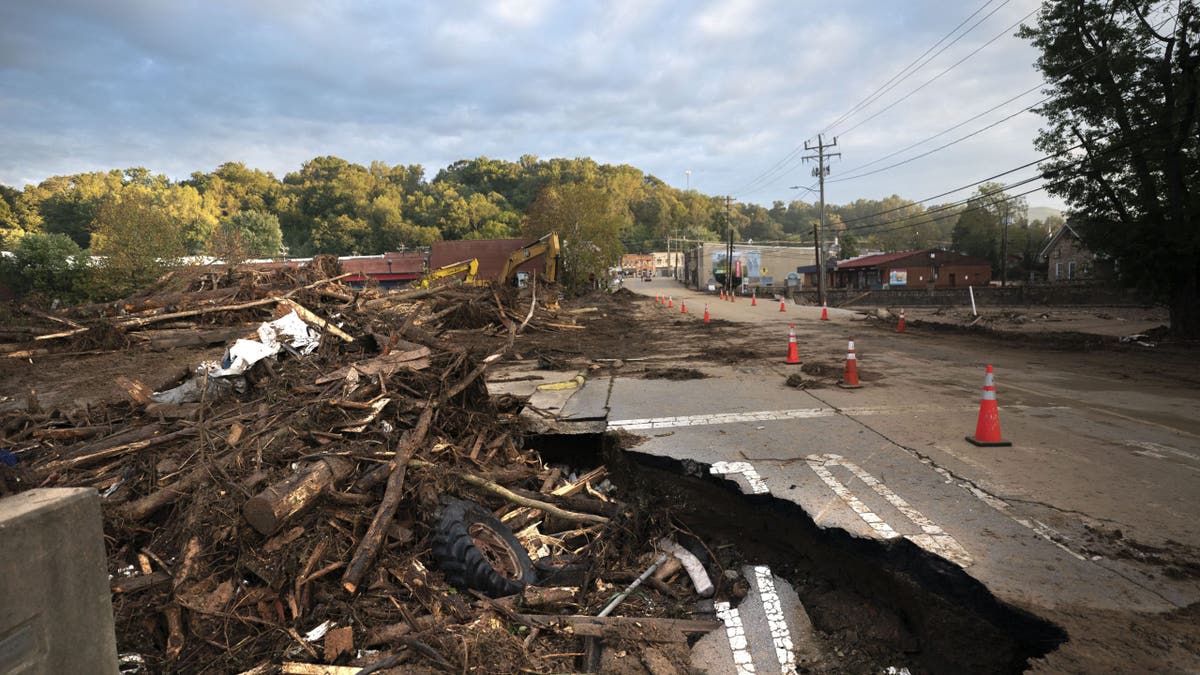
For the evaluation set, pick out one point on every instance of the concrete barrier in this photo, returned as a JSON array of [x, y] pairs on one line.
[[55, 604]]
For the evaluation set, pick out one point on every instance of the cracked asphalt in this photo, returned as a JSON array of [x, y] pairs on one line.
[[1089, 520]]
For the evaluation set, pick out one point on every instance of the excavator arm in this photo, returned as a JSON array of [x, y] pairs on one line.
[[547, 247], [471, 267]]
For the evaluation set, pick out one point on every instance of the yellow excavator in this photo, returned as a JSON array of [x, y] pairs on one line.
[[547, 246], [432, 277]]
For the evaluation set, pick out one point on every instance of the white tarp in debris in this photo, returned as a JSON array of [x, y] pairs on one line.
[[287, 332]]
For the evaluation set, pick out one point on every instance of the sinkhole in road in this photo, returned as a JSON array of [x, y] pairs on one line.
[[873, 603]]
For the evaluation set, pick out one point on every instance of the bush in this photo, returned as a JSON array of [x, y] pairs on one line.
[[52, 265]]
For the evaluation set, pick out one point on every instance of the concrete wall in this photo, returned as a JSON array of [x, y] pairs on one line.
[[55, 605], [986, 296]]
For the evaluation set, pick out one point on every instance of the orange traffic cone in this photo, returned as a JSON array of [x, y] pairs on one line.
[[658, 298], [731, 296], [900, 326], [793, 356], [850, 377], [754, 299], [671, 302], [722, 295], [987, 428], [682, 306], [782, 305], [706, 312], [824, 311]]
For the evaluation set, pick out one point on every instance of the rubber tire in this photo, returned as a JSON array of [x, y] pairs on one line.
[[463, 564]]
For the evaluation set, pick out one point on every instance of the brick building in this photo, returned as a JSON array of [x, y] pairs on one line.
[[1067, 259], [926, 268]]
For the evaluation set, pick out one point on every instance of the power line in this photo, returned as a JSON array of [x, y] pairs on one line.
[[880, 91], [969, 120], [939, 75], [937, 149]]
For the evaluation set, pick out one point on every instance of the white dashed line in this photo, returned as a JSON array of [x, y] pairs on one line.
[[758, 486], [736, 632], [932, 537]]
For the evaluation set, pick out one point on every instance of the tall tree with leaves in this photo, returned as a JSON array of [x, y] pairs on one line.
[[1125, 92], [588, 225]]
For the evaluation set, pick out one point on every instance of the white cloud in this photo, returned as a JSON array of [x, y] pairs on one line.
[[727, 90]]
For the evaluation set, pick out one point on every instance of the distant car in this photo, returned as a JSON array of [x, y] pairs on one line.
[[647, 276]]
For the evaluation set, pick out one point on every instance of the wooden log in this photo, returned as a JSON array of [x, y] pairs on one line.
[[147, 320], [140, 582], [368, 546], [309, 317], [520, 500], [142, 508], [544, 596], [627, 627], [268, 510], [82, 460], [70, 433], [296, 668], [137, 392]]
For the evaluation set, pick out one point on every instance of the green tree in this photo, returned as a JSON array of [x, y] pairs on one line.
[[979, 229], [258, 232], [136, 241], [1126, 92], [588, 226], [49, 264]]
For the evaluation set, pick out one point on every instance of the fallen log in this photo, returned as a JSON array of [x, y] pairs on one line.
[[520, 500], [268, 510], [368, 546], [140, 582], [82, 460], [147, 320], [142, 508], [626, 627], [315, 320]]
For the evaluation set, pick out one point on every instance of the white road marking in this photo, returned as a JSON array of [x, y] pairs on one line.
[[1156, 450], [781, 637], [758, 486], [1037, 527], [708, 419], [719, 418], [932, 537], [742, 660]]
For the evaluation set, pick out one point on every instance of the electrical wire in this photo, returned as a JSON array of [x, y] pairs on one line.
[[930, 81], [774, 172], [880, 91]]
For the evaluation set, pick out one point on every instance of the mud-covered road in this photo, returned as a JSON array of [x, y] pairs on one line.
[[1089, 520]]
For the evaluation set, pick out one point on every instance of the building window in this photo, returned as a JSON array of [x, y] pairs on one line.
[[1057, 271], [1071, 270]]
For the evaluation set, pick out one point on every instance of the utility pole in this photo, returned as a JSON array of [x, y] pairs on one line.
[[728, 249], [1004, 250], [820, 172]]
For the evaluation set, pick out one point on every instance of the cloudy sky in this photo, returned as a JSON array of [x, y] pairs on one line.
[[726, 89]]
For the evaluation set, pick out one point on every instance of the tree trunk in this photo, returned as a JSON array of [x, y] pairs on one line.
[[268, 510], [1185, 306]]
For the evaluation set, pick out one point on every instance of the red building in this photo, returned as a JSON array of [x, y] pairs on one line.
[[926, 268]]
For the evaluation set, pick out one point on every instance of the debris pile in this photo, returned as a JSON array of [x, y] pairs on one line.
[[338, 493]]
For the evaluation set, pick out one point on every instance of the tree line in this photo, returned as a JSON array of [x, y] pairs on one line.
[[137, 221]]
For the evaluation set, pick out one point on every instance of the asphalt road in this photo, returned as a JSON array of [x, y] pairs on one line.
[[1092, 512]]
